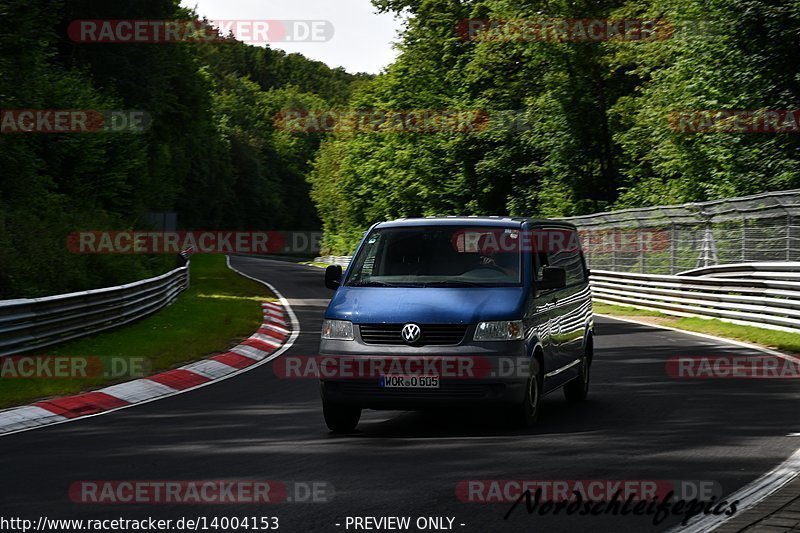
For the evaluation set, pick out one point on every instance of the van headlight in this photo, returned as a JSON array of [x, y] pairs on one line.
[[341, 330], [502, 330]]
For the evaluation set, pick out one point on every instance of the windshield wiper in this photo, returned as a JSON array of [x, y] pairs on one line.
[[441, 283], [372, 283], [452, 283]]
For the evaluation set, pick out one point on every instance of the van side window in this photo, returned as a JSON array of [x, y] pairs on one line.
[[565, 252]]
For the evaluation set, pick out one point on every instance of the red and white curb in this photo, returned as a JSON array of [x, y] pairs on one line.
[[275, 335]]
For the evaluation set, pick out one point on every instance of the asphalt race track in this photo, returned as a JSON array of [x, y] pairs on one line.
[[638, 424]]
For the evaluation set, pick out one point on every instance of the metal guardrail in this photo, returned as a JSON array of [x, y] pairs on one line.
[[30, 324], [764, 295], [341, 260], [771, 270]]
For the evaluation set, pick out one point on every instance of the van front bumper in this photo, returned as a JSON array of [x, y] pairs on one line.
[[475, 373]]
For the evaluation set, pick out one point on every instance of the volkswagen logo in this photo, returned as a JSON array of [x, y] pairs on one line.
[[411, 333]]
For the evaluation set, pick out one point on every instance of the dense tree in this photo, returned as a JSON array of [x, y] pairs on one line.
[[560, 126], [212, 153], [724, 55], [597, 130]]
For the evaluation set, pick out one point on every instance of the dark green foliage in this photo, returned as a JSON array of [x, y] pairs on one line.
[[212, 153], [598, 134]]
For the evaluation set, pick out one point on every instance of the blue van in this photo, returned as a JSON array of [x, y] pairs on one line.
[[457, 310]]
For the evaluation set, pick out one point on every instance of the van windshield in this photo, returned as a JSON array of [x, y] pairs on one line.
[[438, 256]]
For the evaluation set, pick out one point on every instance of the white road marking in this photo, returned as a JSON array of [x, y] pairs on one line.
[[28, 417], [748, 496], [138, 390], [268, 339], [276, 328], [209, 368], [249, 351], [753, 492]]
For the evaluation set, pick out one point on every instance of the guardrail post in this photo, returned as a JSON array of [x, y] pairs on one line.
[[673, 238], [614, 234], [744, 240], [788, 237], [641, 250]]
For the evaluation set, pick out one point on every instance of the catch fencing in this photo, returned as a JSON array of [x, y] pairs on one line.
[[672, 239]]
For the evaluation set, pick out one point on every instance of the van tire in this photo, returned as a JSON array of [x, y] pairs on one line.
[[578, 389], [526, 414], [340, 418]]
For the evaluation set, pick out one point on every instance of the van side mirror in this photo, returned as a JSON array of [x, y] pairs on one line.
[[333, 277], [552, 278]]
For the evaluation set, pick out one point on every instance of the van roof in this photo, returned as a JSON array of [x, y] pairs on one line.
[[484, 221]]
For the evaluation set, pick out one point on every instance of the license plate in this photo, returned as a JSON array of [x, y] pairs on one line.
[[395, 381]]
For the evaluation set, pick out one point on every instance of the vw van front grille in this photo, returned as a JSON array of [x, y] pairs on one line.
[[432, 334]]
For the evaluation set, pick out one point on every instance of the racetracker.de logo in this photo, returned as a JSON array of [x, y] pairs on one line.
[[204, 242], [377, 366], [627, 241], [562, 30], [402, 121], [72, 366], [736, 121], [733, 367], [73, 120], [198, 31], [205, 492], [593, 490], [496, 240]]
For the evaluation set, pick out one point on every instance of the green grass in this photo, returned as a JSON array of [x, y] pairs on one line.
[[219, 309], [779, 340], [618, 310]]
